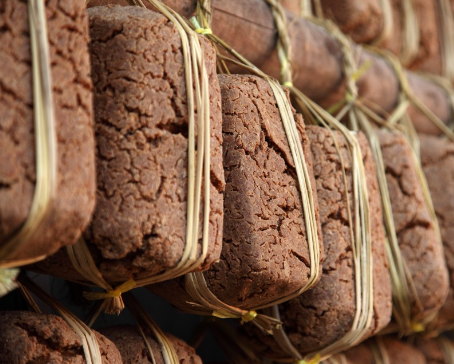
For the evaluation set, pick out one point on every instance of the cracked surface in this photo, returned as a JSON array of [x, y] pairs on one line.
[[398, 352], [264, 254], [133, 349], [416, 233], [431, 350], [70, 69], [359, 19], [141, 124], [437, 158], [325, 314], [30, 338]]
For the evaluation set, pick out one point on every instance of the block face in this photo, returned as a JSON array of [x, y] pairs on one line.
[[30, 337], [437, 158], [141, 128], [325, 314], [416, 232], [133, 348], [73, 109]]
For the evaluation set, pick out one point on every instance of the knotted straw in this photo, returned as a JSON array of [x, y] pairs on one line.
[[90, 345], [205, 302], [360, 228], [197, 88], [45, 147]]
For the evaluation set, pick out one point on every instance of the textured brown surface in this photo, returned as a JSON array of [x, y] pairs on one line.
[[431, 350], [362, 20], [133, 349], [427, 58], [265, 254], [325, 314], [437, 157], [415, 230], [29, 338], [141, 125], [398, 353], [70, 68], [317, 58]]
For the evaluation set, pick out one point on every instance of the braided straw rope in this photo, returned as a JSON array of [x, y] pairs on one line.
[[198, 171], [90, 345], [45, 149], [359, 225]]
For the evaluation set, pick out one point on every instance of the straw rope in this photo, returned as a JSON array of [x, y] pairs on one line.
[[359, 225], [379, 352], [205, 302], [198, 176], [447, 347], [446, 30], [411, 33], [45, 143], [90, 345], [361, 118], [388, 23], [168, 351], [8, 280], [401, 280]]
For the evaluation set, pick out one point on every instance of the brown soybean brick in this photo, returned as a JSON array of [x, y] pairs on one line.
[[265, 254], [325, 314], [432, 351], [133, 348], [429, 47], [71, 85], [362, 20], [28, 337], [141, 125], [397, 352], [437, 158], [416, 232]]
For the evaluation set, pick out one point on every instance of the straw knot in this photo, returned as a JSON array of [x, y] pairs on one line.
[[417, 327], [204, 31], [288, 84], [117, 292], [248, 317]]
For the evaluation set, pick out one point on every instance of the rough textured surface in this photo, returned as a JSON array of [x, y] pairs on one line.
[[325, 314], [415, 230], [27, 338], [265, 254], [437, 158], [70, 69], [427, 58], [133, 349], [361, 20], [141, 124], [398, 353], [431, 350]]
